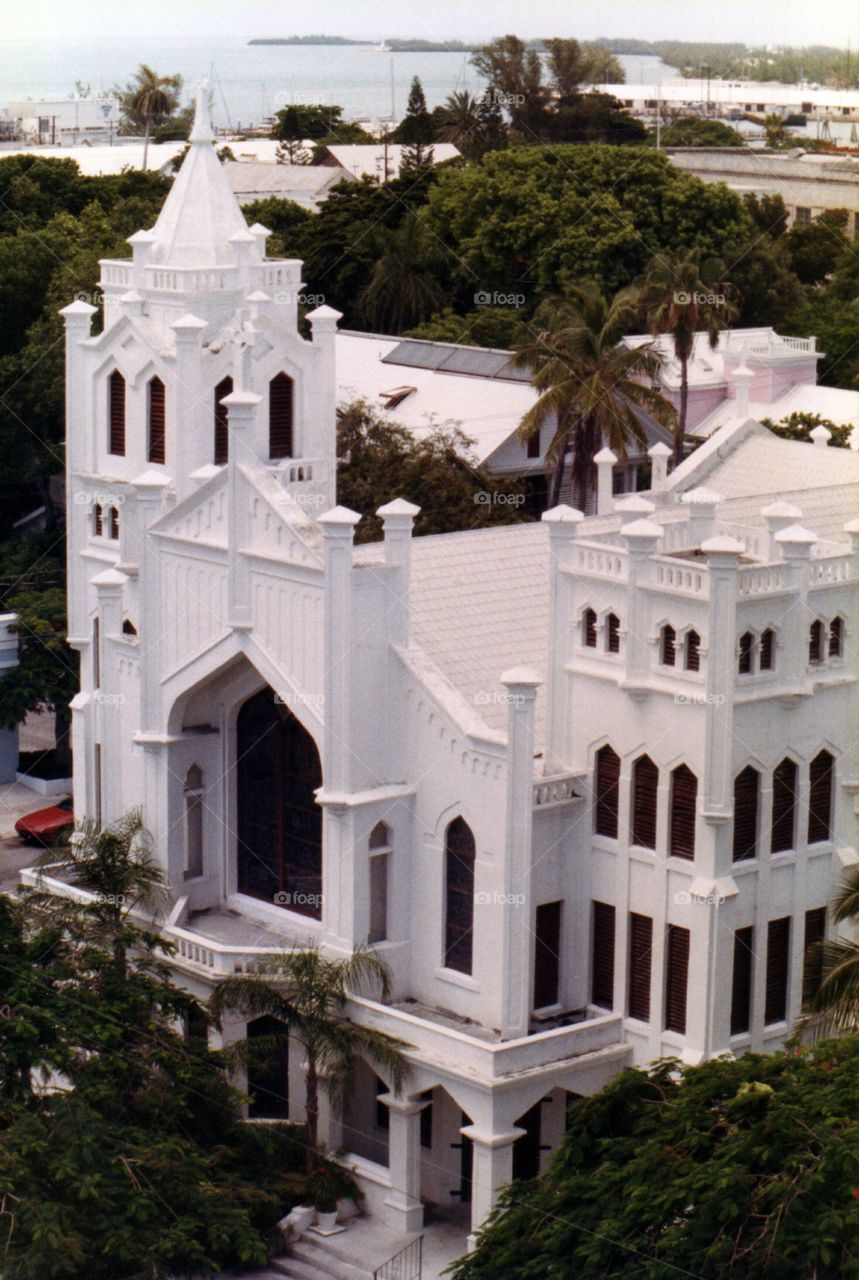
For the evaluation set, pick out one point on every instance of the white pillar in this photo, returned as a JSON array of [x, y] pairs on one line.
[[149, 493], [492, 1169], [241, 409], [633, 507], [778, 516], [702, 505], [642, 540], [323, 325], [189, 433], [515, 907], [562, 523], [717, 798], [338, 532], [742, 379], [820, 437], [405, 1210], [109, 587], [659, 455], [398, 518], [796, 543], [605, 461]]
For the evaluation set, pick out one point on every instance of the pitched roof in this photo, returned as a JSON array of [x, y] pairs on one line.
[[247, 177], [835, 403], [367, 160]]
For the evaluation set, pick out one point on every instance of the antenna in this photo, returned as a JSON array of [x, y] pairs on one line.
[[393, 100]]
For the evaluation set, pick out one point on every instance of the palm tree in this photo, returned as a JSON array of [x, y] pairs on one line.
[[149, 97], [682, 297], [461, 117], [831, 987], [589, 386], [404, 289], [774, 129], [307, 992]]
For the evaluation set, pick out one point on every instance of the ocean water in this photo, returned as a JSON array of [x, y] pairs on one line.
[[253, 81]]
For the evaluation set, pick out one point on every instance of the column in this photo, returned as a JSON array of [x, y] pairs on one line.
[[323, 430], [398, 518], [109, 697], [642, 540], [659, 455], [778, 516], [717, 799], [405, 1210], [605, 461], [491, 1170], [241, 415], [149, 493], [515, 907], [702, 505], [563, 524], [796, 543], [188, 447]]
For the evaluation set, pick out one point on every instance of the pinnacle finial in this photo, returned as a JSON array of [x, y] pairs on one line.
[[203, 130]]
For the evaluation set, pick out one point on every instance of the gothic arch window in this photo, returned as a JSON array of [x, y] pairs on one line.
[[156, 413], [279, 820], [222, 437], [684, 799], [379, 846], [97, 520], [281, 395], [116, 413], [192, 795], [785, 798], [815, 641], [692, 650], [589, 629], [606, 792], [836, 638], [667, 646], [113, 523], [128, 628], [820, 797], [459, 896], [766, 653], [380, 836], [746, 793], [645, 781], [746, 658], [612, 633]]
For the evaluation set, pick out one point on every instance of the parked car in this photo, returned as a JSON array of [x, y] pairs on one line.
[[47, 826]]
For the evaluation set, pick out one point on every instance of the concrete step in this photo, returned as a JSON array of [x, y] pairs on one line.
[[297, 1269], [321, 1258]]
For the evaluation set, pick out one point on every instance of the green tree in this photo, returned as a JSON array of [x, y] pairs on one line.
[[379, 460], [682, 296], [692, 131], [767, 212], [46, 677], [768, 291], [815, 250], [405, 287], [416, 132], [798, 426], [148, 100], [286, 220], [486, 327], [738, 1169], [774, 130], [300, 122], [589, 385], [307, 992], [831, 994], [514, 74]]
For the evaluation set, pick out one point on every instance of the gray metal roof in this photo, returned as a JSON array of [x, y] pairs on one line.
[[448, 357]]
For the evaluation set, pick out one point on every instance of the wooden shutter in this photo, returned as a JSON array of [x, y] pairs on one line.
[[222, 437], [669, 653], [747, 648], [114, 523], [684, 796], [746, 789], [97, 520], [693, 651], [784, 807], [778, 959], [116, 397], [812, 967], [741, 983], [767, 650], [459, 896], [607, 791], [645, 780], [836, 631], [640, 960], [677, 978], [815, 641], [280, 395], [602, 956], [820, 798], [157, 421], [547, 953], [613, 635], [589, 629]]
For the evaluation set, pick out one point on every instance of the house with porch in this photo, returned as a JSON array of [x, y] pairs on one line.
[[586, 784]]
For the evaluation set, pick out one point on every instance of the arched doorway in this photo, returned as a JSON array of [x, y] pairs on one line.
[[279, 821]]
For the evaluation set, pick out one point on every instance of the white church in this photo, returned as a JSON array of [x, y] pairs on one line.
[[586, 784]]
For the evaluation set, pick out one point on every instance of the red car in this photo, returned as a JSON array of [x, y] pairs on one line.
[[46, 826]]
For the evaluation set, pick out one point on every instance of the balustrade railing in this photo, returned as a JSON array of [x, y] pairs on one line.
[[405, 1265]]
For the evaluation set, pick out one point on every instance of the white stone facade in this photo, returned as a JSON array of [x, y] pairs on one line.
[[439, 682]]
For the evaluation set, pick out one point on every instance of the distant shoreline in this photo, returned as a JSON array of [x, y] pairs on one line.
[[390, 46]]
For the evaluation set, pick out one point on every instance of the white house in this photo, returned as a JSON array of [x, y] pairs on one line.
[[585, 784]]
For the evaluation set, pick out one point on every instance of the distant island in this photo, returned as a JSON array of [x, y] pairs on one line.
[[394, 46], [309, 40]]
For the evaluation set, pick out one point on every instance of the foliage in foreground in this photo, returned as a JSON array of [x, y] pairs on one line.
[[733, 1170]]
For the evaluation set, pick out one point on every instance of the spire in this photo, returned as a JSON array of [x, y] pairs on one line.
[[201, 212]]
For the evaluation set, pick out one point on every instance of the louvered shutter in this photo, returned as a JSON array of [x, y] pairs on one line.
[[815, 641], [222, 439], [280, 395], [114, 523], [836, 630], [669, 654], [812, 967], [693, 651], [820, 798], [459, 895], [746, 788], [645, 780], [778, 958], [157, 421], [602, 956], [640, 960], [784, 806], [97, 520], [613, 641], [589, 629], [547, 954], [607, 792], [677, 978], [747, 647], [684, 795], [767, 650], [116, 396], [741, 983]]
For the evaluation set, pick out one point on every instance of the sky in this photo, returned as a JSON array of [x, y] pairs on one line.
[[795, 22]]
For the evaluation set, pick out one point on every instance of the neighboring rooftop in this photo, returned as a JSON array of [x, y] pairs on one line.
[[102, 160], [375, 160]]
